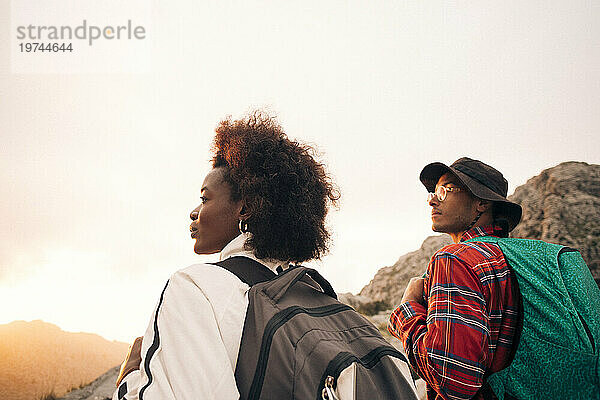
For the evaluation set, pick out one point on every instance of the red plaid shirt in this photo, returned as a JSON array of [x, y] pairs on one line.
[[467, 327]]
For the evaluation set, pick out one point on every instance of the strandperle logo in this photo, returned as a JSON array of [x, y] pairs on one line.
[[84, 31]]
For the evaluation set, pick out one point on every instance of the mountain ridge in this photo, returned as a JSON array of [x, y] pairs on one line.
[[38, 358]]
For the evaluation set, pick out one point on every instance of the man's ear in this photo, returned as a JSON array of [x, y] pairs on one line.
[[483, 205]]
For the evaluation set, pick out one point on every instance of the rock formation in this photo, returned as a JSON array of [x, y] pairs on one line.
[[100, 389], [562, 205], [389, 283]]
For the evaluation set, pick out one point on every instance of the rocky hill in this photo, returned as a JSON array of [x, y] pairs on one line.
[[100, 389], [389, 283], [560, 205], [39, 360]]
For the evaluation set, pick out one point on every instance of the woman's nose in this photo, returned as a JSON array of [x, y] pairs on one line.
[[194, 215]]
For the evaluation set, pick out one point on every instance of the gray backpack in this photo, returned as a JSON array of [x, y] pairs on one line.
[[299, 342]]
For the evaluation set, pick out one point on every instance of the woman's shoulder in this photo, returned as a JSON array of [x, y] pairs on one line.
[[208, 275], [207, 284]]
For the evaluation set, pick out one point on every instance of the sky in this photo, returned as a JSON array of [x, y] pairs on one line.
[[104, 149]]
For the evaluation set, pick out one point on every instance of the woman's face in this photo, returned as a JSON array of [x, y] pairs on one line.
[[216, 219]]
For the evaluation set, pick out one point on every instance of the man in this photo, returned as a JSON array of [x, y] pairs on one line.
[[458, 324]]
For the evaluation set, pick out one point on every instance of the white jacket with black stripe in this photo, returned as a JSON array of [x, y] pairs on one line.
[[190, 348]]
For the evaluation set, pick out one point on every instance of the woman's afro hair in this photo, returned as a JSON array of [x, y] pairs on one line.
[[285, 192]]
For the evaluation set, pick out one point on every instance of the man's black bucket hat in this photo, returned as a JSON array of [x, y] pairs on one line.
[[484, 181]]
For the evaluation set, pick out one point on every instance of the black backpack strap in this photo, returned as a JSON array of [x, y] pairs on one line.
[[248, 270]]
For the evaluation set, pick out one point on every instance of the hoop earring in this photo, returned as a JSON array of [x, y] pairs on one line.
[[243, 226]]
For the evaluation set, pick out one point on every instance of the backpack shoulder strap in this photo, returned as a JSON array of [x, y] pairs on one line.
[[291, 277], [246, 269], [487, 239]]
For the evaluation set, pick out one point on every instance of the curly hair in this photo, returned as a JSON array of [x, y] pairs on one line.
[[285, 191]]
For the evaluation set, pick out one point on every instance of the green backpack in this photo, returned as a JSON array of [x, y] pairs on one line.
[[557, 356]]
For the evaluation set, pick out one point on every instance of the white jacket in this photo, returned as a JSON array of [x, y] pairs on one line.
[[190, 347]]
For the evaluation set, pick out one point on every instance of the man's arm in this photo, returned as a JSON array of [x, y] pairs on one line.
[[447, 341]]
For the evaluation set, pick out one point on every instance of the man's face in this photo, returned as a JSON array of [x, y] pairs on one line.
[[457, 211], [215, 220]]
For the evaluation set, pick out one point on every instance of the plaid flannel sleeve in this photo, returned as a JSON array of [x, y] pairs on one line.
[[447, 342]]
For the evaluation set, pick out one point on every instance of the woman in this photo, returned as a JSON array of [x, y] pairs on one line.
[[265, 198]]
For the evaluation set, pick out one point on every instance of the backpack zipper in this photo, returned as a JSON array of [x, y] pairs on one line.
[[271, 328], [344, 359], [328, 392]]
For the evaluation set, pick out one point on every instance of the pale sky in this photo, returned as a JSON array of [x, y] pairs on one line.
[[99, 171]]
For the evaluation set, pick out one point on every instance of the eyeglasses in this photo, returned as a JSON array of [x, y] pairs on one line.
[[441, 192]]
